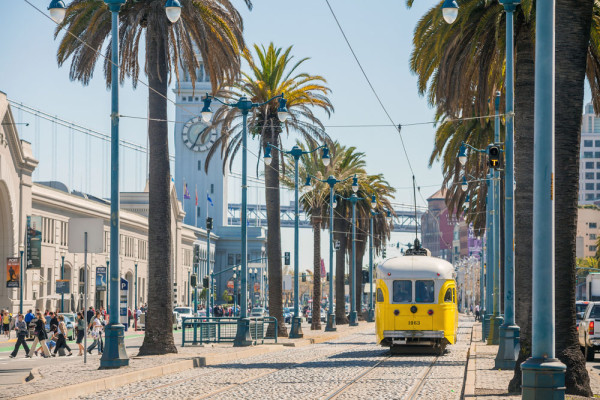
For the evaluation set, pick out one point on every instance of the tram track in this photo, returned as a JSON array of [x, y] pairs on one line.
[[236, 384], [416, 390]]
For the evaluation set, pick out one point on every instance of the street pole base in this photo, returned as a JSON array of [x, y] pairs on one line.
[[543, 379], [114, 355], [296, 330], [330, 327], [510, 345], [242, 336], [352, 319], [371, 315], [485, 326], [494, 335]]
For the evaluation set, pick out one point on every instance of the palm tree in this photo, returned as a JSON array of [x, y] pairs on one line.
[[470, 54], [214, 28], [273, 73]]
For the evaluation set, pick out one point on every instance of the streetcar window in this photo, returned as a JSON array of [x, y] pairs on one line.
[[402, 292], [453, 295], [379, 295], [424, 292], [448, 296]]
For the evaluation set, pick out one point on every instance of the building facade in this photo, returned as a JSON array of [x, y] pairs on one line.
[[54, 204], [589, 157], [588, 232]]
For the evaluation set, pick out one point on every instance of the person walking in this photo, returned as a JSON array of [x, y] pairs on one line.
[[62, 337], [54, 319], [6, 324], [90, 315], [40, 336], [96, 327], [21, 328], [477, 312], [80, 332]]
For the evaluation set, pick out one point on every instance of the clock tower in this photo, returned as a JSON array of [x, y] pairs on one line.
[[193, 139]]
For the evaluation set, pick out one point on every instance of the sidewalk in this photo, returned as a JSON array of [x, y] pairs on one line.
[[80, 379]]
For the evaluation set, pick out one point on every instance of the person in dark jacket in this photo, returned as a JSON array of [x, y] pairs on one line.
[[21, 328], [90, 315], [40, 336], [54, 319]]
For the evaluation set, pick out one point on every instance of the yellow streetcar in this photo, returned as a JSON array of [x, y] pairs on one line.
[[416, 301]]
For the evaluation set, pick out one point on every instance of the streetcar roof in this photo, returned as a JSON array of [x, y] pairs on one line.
[[415, 267]]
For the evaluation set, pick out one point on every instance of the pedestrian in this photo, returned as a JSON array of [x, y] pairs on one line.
[[477, 312], [40, 335], [6, 324], [62, 336], [52, 339], [90, 314], [48, 318], [129, 316], [21, 328], [54, 319], [29, 316], [96, 327], [80, 332]]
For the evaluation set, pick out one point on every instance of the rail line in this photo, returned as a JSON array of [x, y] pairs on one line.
[[421, 381], [346, 386], [234, 385]]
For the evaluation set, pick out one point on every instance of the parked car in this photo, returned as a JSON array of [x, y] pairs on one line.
[[185, 312], [580, 307], [258, 312], [589, 333]]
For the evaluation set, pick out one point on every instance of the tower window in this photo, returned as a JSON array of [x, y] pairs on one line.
[[190, 98], [212, 188], [198, 211], [183, 99], [199, 165], [196, 99]]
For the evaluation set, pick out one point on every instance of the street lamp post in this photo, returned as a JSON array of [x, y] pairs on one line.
[[114, 355], [21, 252], [508, 350], [543, 373], [136, 296], [62, 276], [242, 337], [296, 153], [107, 286], [331, 181]]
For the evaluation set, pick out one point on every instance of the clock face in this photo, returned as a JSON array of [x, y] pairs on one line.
[[196, 136]]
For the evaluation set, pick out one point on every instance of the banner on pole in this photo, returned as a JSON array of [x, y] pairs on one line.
[[13, 272], [100, 278], [34, 242], [62, 286]]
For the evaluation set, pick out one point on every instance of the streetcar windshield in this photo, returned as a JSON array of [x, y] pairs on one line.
[[402, 292], [424, 291]]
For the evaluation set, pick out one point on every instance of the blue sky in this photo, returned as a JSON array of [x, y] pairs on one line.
[[380, 32]]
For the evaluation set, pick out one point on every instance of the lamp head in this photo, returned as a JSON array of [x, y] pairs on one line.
[[63, 253], [355, 184], [334, 201], [373, 201], [268, 158], [206, 111], [450, 11], [173, 10], [464, 185], [462, 154], [58, 10], [307, 184], [234, 275], [467, 201], [282, 111], [325, 158]]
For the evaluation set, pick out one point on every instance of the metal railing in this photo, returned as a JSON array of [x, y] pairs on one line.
[[198, 330]]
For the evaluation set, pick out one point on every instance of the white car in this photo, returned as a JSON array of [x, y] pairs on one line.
[[184, 312], [258, 312]]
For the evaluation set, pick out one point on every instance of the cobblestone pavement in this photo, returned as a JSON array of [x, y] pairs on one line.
[[354, 363]]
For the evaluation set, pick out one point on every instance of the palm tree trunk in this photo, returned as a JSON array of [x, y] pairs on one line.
[[316, 305], [159, 329], [524, 101], [274, 236], [340, 229], [572, 41]]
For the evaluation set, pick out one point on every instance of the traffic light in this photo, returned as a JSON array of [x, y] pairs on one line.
[[494, 157], [193, 280], [209, 223], [205, 282], [303, 277], [287, 258], [365, 275], [383, 253]]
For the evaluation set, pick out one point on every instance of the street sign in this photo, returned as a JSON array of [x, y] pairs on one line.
[[34, 241], [94, 227], [124, 291], [62, 286], [287, 258], [100, 278], [13, 272]]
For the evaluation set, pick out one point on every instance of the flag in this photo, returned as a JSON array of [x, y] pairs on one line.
[[323, 273], [209, 200], [196, 195], [186, 193]]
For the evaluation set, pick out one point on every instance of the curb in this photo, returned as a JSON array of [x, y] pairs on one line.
[[469, 391], [111, 382]]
